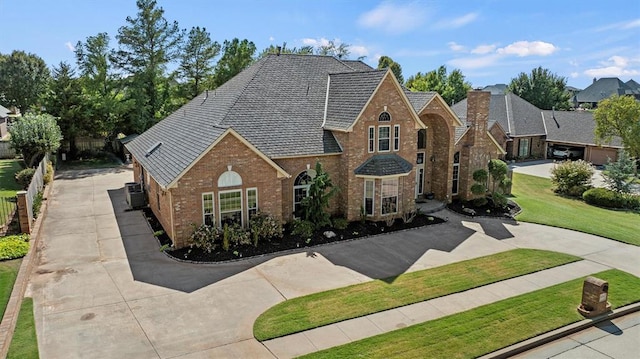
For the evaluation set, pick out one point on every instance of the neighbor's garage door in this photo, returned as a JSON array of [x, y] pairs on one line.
[[599, 155]]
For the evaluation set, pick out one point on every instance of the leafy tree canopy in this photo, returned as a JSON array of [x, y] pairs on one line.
[[23, 79], [273, 49], [236, 56], [452, 87], [340, 50], [387, 62], [542, 88], [619, 116], [34, 135], [196, 60]]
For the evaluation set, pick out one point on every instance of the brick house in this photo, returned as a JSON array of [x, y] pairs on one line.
[[252, 144]]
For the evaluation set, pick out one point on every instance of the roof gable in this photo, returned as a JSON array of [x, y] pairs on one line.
[[604, 88]]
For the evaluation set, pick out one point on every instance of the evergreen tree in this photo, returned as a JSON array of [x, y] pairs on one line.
[[236, 56], [387, 62], [196, 60], [619, 175]]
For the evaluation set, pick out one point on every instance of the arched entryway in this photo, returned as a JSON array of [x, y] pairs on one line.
[[438, 169]]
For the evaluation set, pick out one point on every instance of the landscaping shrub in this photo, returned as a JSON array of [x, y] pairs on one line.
[[48, 175], [302, 228], [234, 235], [205, 237], [24, 177], [605, 198], [264, 226], [619, 175], [37, 203], [570, 177], [340, 223], [12, 247]]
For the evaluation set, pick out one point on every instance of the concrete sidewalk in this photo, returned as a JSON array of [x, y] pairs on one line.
[[102, 288], [355, 329]]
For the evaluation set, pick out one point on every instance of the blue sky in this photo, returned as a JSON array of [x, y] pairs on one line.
[[491, 41]]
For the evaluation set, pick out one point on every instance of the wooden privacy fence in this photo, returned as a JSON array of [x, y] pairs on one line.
[[6, 151]]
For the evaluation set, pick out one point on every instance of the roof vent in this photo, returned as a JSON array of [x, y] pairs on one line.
[[152, 149]]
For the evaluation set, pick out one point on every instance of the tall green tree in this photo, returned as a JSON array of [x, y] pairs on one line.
[[452, 87], [24, 78], [236, 56], [64, 101], [103, 87], [619, 116], [274, 49], [542, 88], [147, 43], [34, 135], [340, 51], [196, 60], [387, 62]]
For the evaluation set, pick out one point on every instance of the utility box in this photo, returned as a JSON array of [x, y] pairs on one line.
[[595, 297]]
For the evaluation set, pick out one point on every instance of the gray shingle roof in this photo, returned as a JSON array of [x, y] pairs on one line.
[[384, 165], [419, 99], [632, 84], [516, 116], [276, 104], [357, 65], [348, 93], [575, 127], [605, 88]]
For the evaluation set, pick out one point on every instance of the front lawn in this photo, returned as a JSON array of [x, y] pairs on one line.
[[541, 205], [8, 184], [490, 327], [336, 305], [24, 344], [8, 273]]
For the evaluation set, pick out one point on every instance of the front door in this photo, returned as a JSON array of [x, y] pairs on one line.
[[419, 174]]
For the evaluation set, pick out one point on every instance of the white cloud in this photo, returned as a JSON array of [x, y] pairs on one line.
[[625, 25], [457, 22], [575, 75], [70, 46], [475, 62], [271, 38], [318, 42], [483, 49], [616, 66], [456, 47], [393, 18], [358, 50], [631, 24], [526, 48]]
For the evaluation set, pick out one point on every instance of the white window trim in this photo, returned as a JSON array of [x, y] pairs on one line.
[[250, 208], [396, 137], [220, 208], [456, 177], [213, 208], [371, 144], [373, 197], [388, 138], [397, 196]]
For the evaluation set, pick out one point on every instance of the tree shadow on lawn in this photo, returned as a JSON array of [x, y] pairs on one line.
[[378, 257]]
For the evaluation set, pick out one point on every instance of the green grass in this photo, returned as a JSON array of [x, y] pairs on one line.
[[490, 327], [541, 205], [8, 273], [336, 305], [24, 344], [8, 185]]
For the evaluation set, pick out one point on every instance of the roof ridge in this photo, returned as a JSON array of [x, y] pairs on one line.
[[259, 63], [357, 71]]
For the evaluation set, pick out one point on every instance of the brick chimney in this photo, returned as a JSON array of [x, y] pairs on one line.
[[477, 115]]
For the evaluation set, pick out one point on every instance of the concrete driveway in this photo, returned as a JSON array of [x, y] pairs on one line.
[[102, 288]]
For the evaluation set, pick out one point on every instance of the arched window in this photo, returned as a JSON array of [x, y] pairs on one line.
[[384, 117], [229, 179], [230, 202], [300, 191], [456, 173]]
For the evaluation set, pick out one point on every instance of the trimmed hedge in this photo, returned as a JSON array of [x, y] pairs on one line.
[[24, 177], [607, 198], [15, 246]]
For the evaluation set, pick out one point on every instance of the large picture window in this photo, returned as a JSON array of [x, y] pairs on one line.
[[208, 216], [369, 195], [300, 191], [230, 207], [252, 202], [523, 148], [383, 138], [389, 196]]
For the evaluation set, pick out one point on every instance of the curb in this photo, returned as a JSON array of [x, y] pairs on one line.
[[559, 333], [10, 318]]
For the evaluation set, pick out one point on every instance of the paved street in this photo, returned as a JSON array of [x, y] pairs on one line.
[[102, 288]]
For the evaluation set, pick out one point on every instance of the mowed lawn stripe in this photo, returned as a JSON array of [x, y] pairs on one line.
[[354, 301]]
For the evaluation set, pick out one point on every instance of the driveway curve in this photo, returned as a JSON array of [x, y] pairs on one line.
[[102, 288]]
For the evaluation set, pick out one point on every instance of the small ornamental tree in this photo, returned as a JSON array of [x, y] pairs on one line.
[[572, 177], [316, 204], [492, 183], [619, 175], [35, 135]]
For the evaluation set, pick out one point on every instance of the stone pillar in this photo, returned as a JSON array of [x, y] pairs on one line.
[[24, 212]]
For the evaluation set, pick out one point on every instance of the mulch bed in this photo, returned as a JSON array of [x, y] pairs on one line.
[[465, 208], [289, 241]]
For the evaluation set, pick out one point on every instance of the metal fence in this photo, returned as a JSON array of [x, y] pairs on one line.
[[8, 206], [6, 151]]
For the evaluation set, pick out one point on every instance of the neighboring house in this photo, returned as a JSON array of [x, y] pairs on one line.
[[575, 129], [4, 120], [604, 88], [251, 145], [515, 123]]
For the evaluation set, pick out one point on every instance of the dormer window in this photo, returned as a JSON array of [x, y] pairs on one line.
[[384, 117]]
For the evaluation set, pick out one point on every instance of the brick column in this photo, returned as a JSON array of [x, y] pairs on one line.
[[24, 212]]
